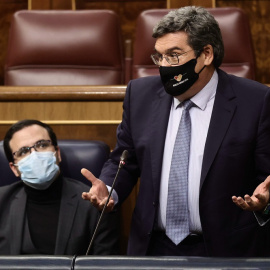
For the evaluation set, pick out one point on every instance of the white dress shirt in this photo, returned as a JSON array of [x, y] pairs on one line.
[[200, 115]]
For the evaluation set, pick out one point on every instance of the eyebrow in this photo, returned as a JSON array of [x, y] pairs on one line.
[[170, 50], [34, 143]]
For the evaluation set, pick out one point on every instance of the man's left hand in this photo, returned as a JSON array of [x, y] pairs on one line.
[[259, 199]]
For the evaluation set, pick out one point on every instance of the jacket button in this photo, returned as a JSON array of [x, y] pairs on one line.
[[154, 203]]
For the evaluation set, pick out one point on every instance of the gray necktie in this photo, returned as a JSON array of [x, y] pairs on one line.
[[177, 217]]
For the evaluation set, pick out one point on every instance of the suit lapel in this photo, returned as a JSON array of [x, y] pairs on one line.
[[68, 208], [160, 111], [223, 111], [17, 216]]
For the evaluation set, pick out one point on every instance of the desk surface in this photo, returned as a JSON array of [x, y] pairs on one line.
[[128, 263]]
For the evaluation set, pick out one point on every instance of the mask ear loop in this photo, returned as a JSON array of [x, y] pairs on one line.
[[201, 69]]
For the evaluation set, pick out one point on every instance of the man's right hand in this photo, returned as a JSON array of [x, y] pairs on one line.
[[98, 193]]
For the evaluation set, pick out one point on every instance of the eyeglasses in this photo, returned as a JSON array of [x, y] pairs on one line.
[[172, 58], [40, 146]]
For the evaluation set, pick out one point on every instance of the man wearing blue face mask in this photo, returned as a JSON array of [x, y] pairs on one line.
[[43, 213], [196, 136]]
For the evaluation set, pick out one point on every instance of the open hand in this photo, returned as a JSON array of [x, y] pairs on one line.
[[259, 199], [98, 193]]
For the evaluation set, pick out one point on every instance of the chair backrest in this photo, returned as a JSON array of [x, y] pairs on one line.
[[239, 56], [76, 154], [61, 47]]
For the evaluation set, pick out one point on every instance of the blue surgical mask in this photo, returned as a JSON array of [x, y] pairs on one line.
[[39, 169]]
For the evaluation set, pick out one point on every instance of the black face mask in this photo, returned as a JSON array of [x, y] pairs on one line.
[[177, 80]]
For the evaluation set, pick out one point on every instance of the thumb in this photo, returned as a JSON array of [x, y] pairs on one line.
[[89, 176], [267, 182]]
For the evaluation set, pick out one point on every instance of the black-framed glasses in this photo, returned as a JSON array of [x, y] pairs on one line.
[[40, 146], [171, 58]]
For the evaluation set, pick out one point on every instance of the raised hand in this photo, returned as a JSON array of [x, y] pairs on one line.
[[98, 193], [258, 200]]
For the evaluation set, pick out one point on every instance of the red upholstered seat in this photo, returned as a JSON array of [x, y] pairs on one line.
[[239, 56], [58, 47]]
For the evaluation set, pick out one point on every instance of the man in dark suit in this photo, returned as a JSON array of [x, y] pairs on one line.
[[44, 213], [229, 148]]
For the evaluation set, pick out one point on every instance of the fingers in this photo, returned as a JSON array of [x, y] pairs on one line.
[[89, 176], [246, 204], [110, 206], [90, 197], [98, 204], [239, 201], [86, 196], [98, 193], [251, 204]]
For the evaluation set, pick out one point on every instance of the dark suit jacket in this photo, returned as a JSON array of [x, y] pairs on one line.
[[76, 223], [236, 160]]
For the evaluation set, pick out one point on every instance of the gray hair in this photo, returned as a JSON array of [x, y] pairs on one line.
[[199, 24]]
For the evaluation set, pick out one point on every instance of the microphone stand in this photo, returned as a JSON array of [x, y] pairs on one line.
[[121, 165]]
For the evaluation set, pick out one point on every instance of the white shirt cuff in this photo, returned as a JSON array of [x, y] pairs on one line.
[[114, 194]]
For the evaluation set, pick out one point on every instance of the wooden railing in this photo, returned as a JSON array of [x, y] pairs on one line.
[[90, 93], [75, 112]]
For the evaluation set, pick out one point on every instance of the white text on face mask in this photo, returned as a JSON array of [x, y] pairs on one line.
[[176, 84]]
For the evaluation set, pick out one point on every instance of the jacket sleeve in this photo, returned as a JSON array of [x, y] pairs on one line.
[[128, 175]]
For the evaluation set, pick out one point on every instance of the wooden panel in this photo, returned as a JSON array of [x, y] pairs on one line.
[[182, 3], [62, 112], [50, 4], [82, 112]]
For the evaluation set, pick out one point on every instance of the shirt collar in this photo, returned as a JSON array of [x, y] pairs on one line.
[[207, 93]]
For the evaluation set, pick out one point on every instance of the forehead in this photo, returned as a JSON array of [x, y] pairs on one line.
[[172, 40], [28, 136]]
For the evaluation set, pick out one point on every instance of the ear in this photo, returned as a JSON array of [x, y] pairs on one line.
[[14, 169], [58, 154], [208, 54]]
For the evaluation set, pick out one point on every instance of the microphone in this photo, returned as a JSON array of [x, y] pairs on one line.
[[122, 162], [123, 159]]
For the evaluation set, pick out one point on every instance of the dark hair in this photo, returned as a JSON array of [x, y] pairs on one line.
[[20, 125], [201, 27]]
